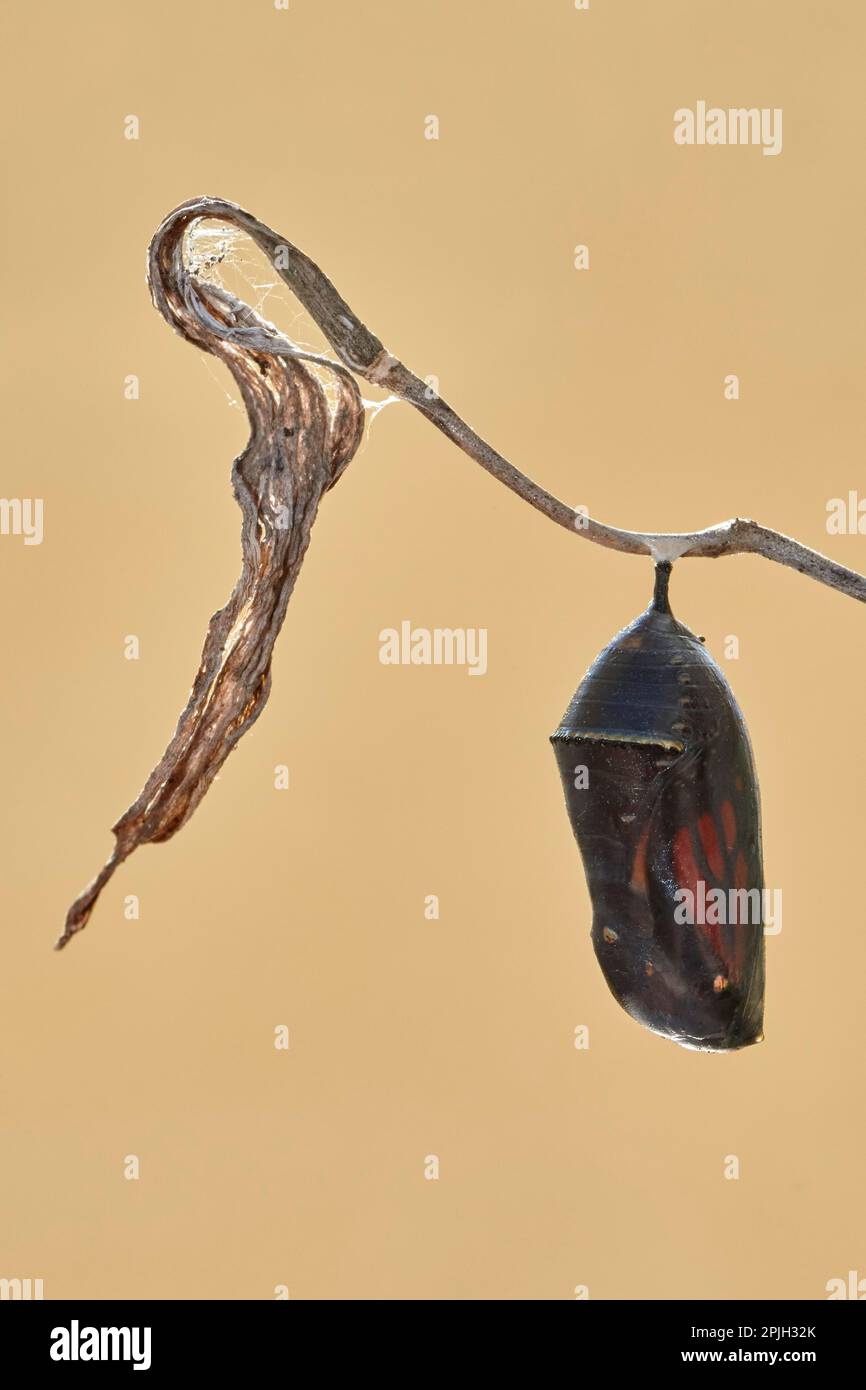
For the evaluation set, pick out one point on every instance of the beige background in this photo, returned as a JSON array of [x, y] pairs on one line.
[[305, 907]]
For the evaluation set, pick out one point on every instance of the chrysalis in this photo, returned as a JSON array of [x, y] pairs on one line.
[[663, 799]]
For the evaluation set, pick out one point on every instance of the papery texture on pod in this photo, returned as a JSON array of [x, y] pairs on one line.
[[662, 795]]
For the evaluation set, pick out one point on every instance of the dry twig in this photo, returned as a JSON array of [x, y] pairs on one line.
[[298, 447]]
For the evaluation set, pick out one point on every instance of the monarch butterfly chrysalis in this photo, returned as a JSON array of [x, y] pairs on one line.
[[663, 799]]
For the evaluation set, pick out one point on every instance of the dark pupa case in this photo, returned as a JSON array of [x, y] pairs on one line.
[[662, 795]]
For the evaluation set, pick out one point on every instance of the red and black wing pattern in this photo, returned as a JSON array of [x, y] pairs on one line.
[[720, 871]]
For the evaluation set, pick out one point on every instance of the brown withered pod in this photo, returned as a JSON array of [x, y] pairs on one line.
[[661, 791]]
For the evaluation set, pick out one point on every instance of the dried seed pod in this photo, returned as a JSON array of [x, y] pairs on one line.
[[663, 799], [302, 437]]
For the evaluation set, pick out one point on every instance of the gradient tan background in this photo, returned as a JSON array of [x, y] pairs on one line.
[[305, 907]]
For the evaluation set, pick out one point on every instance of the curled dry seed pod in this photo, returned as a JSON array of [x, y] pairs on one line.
[[300, 441], [663, 799]]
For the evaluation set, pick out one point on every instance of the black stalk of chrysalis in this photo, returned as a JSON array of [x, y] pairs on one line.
[[663, 799]]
